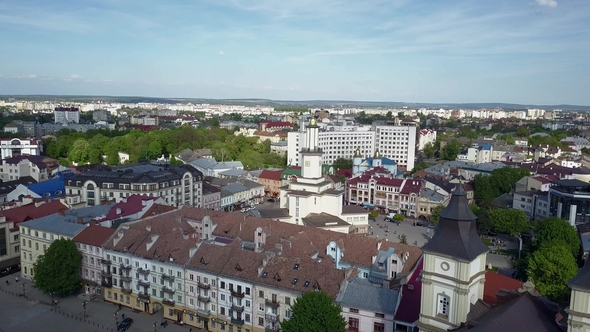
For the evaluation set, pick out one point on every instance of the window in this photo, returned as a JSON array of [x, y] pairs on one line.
[[260, 321], [287, 300], [222, 285], [260, 293], [378, 327], [222, 297], [353, 324], [443, 305], [353, 310], [222, 310], [261, 307], [379, 315]]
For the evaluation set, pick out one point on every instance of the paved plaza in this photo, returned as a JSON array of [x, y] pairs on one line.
[[34, 313]]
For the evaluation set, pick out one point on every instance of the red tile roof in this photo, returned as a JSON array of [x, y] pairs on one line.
[[412, 186], [380, 175], [134, 204], [278, 124], [33, 211], [94, 235], [347, 173], [271, 175], [495, 282]]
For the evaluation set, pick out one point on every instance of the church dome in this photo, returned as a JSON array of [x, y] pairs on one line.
[[357, 153], [377, 155], [313, 122]]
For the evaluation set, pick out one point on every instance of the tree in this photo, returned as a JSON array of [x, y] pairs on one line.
[[342, 163], [522, 132], [557, 230], [428, 150], [57, 270], [373, 214], [550, 267], [315, 311], [509, 221], [451, 150], [403, 239], [435, 214], [398, 217]]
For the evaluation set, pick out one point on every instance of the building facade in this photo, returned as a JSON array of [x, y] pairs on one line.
[[13, 147], [89, 243], [65, 115], [177, 185]]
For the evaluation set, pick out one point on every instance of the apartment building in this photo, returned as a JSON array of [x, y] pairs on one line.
[[379, 188], [426, 136], [65, 115], [143, 264], [37, 235], [220, 272], [13, 147], [211, 197], [37, 167], [395, 142], [271, 180], [177, 185], [89, 243]]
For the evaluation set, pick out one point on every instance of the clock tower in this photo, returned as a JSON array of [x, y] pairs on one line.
[[312, 154], [454, 267]]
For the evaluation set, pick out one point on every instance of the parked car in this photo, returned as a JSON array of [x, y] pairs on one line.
[[272, 200], [422, 223], [125, 324], [389, 219]]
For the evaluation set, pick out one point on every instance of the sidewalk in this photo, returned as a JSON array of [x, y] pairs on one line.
[[100, 315]]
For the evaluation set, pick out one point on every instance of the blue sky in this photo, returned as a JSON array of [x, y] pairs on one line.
[[524, 51]]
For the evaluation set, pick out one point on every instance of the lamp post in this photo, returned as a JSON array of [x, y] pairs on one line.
[[24, 284], [84, 307]]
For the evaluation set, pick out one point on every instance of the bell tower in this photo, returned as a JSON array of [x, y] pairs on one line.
[[579, 308], [311, 153], [454, 267]]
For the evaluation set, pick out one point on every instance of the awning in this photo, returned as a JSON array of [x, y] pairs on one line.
[[368, 204]]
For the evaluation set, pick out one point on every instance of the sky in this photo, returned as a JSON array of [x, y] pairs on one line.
[[436, 51]]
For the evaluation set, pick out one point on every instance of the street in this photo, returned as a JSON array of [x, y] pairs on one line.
[[35, 312]]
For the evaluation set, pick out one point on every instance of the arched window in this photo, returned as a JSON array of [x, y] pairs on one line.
[[90, 186]]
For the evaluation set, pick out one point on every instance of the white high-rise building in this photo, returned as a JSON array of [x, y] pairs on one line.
[[65, 115], [394, 142]]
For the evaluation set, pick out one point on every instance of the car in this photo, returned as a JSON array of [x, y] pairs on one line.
[[423, 223], [272, 200], [389, 219], [125, 324]]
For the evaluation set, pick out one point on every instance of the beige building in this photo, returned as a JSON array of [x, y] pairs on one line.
[[37, 235], [9, 243], [271, 180]]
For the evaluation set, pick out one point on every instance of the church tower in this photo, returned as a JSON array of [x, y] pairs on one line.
[[311, 153], [454, 267], [357, 159], [377, 159], [579, 308]]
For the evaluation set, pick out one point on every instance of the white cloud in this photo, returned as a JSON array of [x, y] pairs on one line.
[[221, 53], [547, 3]]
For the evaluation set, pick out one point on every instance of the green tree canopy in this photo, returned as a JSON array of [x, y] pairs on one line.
[[553, 229], [315, 312], [428, 150], [451, 150], [435, 214], [501, 181], [550, 267], [342, 163], [57, 270], [509, 221]]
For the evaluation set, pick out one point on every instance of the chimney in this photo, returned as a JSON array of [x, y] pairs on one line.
[[80, 220], [124, 200]]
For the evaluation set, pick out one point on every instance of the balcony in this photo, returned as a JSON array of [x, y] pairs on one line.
[[237, 321], [237, 308], [205, 299], [126, 267], [167, 277], [143, 295], [125, 278], [272, 303], [203, 312], [143, 283], [105, 261], [168, 302], [236, 294], [126, 290], [270, 317], [143, 271], [204, 286], [106, 274], [107, 282], [167, 289]]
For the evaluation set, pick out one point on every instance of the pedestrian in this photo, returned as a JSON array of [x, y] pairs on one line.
[[123, 316], [16, 278], [119, 306], [7, 283], [190, 330]]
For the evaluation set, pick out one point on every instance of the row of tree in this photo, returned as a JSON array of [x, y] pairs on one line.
[[90, 147]]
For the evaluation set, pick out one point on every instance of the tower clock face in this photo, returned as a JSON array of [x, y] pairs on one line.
[[307, 164]]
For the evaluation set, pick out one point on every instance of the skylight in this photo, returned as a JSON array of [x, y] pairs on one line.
[[306, 284], [265, 274], [295, 280], [296, 267]]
